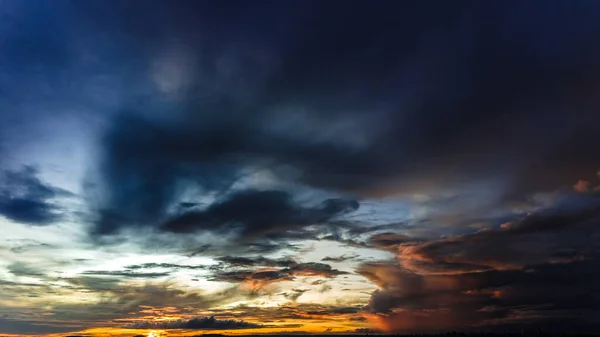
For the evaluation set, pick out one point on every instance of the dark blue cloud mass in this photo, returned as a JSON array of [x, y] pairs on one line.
[[345, 96], [24, 198], [362, 98]]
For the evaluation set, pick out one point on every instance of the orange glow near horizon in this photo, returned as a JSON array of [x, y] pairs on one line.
[[331, 325]]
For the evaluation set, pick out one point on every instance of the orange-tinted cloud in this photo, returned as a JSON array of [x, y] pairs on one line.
[[490, 278], [582, 186]]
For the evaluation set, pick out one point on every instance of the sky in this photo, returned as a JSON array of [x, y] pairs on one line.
[[177, 168]]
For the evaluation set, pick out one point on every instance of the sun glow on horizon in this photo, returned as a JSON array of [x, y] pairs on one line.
[[154, 333]]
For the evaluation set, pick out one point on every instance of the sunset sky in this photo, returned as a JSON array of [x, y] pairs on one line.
[[177, 168]]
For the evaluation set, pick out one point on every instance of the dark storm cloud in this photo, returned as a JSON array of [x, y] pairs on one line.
[[474, 91], [270, 275], [536, 271], [239, 261], [204, 323], [258, 213], [250, 248], [24, 198]]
